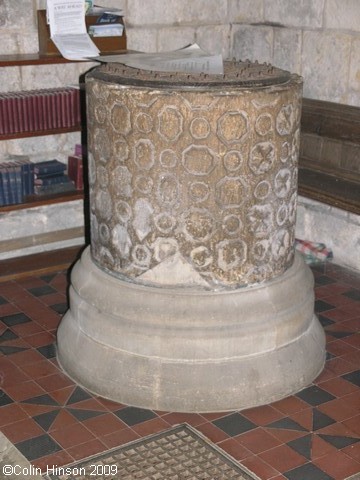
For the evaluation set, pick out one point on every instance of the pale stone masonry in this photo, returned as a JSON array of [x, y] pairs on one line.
[[317, 39]]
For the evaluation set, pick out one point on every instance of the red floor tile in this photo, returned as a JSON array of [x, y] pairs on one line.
[[104, 424], [63, 420], [338, 386], [121, 437], [40, 339], [150, 427], [212, 432], [54, 382], [256, 465], [72, 435], [22, 430], [337, 410], [11, 413], [282, 458], [25, 390], [320, 448], [258, 440], [50, 462], [263, 415], [192, 419], [232, 447], [86, 449], [338, 465], [40, 369], [28, 374], [290, 405]]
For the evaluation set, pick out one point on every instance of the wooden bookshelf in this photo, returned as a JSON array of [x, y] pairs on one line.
[[19, 60], [39, 200], [40, 133]]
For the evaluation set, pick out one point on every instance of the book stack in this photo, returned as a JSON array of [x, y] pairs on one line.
[[16, 179], [50, 177], [38, 110]]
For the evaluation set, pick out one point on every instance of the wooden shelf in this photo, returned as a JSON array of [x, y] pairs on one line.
[[30, 59], [40, 133], [39, 263], [37, 59], [38, 200]]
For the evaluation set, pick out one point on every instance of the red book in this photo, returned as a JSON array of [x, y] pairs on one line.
[[75, 171]]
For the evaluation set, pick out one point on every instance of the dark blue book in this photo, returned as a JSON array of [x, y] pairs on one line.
[[48, 167], [2, 197], [53, 180], [9, 184], [18, 189]]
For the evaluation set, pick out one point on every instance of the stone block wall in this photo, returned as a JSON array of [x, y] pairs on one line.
[[318, 39]]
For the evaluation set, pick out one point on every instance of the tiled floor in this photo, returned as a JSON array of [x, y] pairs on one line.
[[313, 435]]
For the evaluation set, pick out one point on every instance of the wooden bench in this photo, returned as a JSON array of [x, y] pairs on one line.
[[329, 164]]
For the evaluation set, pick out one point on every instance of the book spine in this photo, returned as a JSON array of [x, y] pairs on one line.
[[18, 183], [30, 188], [56, 179], [2, 197], [57, 188], [11, 184], [49, 170], [75, 171]]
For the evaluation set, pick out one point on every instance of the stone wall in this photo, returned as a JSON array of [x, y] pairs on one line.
[[318, 39]]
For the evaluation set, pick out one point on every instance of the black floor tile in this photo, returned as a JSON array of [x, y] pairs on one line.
[[302, 446], [8, 335], [338, 441], [324, 280], [325, 322], [8, 350], [315, 395], [38, 447], [15, 319], [3, 300], [48, 278], [287, 424], [320, 420], [49, 351], [45, 420], [42, 400], [5, 399], [319, 267], [60, 308], [321, 306], [78, 395], [329, 356], [234, 424], [339, 334], [133, 415], [353, 377], [82, 415], [353, 294], [43, 290], [307, 472]]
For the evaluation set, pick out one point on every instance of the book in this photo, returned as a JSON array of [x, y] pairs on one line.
[[52, 180], [48, 167], [2, 193], [75, 171], [5, 185], [52, 189]]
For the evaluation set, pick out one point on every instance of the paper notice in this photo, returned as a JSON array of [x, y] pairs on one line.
[[68, 29], [191, 59]]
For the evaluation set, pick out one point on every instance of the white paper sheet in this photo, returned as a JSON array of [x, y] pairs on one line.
[[191, 59], [68, 29]]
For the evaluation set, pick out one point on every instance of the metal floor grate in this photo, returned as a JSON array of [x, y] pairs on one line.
[[179, 453]]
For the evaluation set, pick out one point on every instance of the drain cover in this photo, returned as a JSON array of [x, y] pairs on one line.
[[179, 453]]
